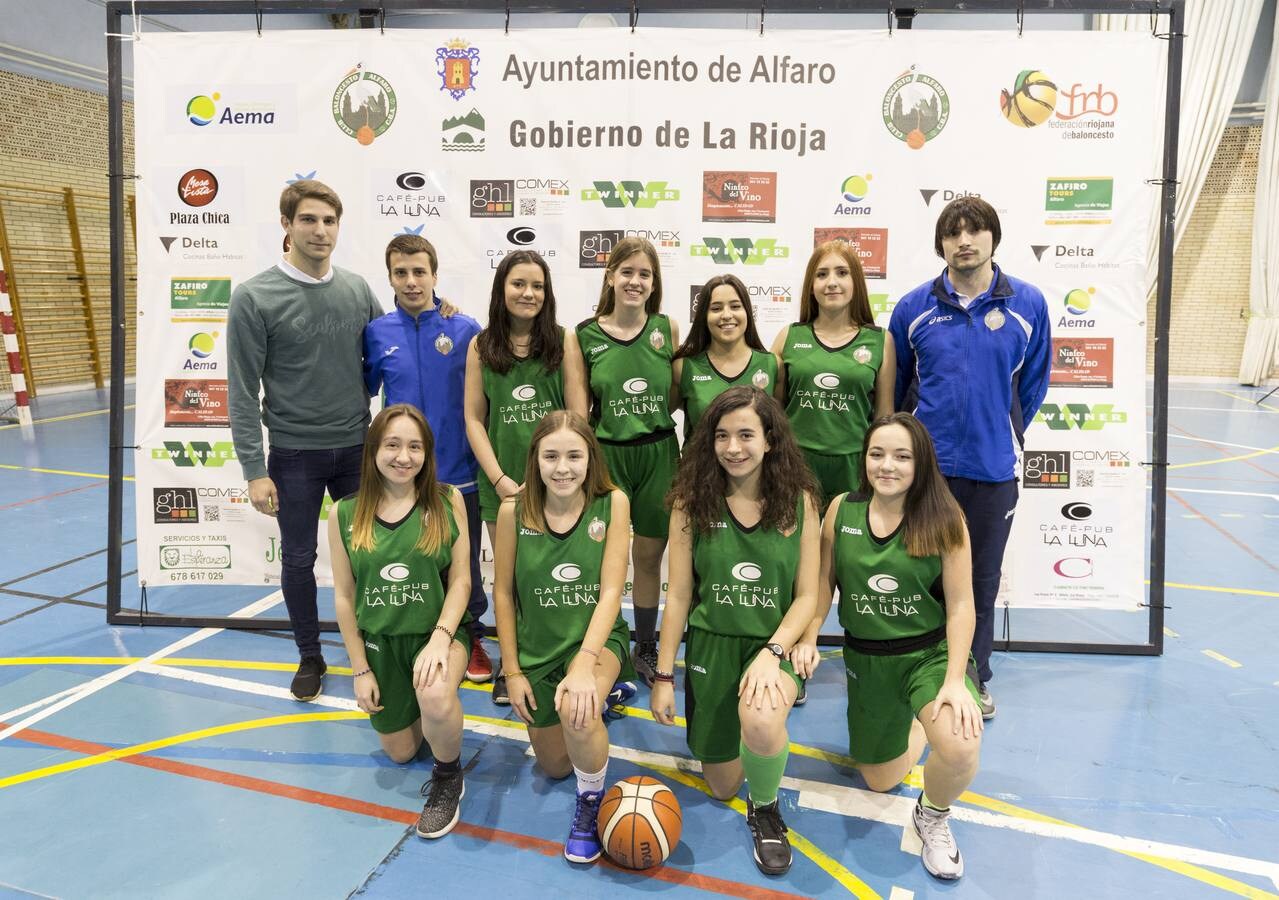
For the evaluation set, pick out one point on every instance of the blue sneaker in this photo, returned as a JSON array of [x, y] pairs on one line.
[[583, 844], [621, 694]]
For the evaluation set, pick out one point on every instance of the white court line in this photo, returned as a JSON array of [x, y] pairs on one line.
[[1182, 490], [887, 809], [1222, 409], [1198, 440], [92, 687]]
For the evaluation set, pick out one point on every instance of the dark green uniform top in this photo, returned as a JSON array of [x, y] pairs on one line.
[[398, 589], [885, 594], [557, 583], [830, 391], [743, 578], [517, 401], [700, 382], [630, 380]]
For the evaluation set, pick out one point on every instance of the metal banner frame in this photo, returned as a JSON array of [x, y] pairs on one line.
[[897, 17]]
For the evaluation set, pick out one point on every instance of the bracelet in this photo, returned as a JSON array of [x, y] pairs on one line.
[[515, 674], [594, 653], [499, 481], [666, 677], [443, 629], [363, 672]]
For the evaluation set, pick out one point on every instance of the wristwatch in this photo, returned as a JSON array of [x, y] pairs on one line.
[[776, 650]]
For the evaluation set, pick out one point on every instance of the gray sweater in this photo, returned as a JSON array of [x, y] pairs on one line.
[[302, 345]]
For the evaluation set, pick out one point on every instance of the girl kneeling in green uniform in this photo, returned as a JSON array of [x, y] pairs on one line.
[[743, 577], [560, 564], [401, 577], [898, 553]]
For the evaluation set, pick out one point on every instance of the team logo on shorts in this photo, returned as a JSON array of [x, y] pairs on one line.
[[444, 344], [597, 529], [862, 355], [994, 320], [566, 572], [524, 392], [635, 386], [760, 379], [656, 338], [747, 571], [394, 571], [882, 583], [826, 380]]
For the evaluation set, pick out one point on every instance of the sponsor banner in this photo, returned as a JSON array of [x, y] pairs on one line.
[[566, 142]]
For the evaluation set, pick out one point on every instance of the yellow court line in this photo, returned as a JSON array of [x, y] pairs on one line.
[[1213, 654], [1245, 400], [1252, 592], [149, 746], [1226, 459], [60, 472], [79, 415]]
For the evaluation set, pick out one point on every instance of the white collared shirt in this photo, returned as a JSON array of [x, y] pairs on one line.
[[298, 275]]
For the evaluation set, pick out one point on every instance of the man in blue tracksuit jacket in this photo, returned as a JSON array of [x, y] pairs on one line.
[[974, 352], [419, 357]]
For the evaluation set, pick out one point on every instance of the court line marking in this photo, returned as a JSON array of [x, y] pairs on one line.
[[1226, 459], [1225, 533], [1248, 400], [1252, 592], [68, 417], [671, 875], [110, 678], [1185, 490], [83, 487], [1213, 654], [1170, 633], [43, 471], [1199, 440], [869, 805]]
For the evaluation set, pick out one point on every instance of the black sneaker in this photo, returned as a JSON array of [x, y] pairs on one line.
[[802, 697], [500, 696], [309, 680], [644, 658], [444, 794], [772, 846]]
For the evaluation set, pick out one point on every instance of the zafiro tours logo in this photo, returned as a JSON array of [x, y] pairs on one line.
[[915, 108], [739, 251], [636, 194], [457, 63], [364, 105]]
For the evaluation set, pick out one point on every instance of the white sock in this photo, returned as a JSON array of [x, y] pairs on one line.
[[588, 782]]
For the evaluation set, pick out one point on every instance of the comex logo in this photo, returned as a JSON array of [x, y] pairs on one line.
[[635, 386], [882, 583], [524, 392], [747, 571], [566, 572], [1077, 512], [827, 380], [394, 572], [1073, 567]]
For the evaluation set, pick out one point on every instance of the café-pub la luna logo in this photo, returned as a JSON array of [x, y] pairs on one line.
[[364, 104]]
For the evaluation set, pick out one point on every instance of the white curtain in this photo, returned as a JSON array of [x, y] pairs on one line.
[[1261, 346], [1218, 38]]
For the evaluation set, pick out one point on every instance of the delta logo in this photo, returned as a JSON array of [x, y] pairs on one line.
[[947, 195], [852, 191], [739, 251], [204, 110], [1079, 111], [635, 194]]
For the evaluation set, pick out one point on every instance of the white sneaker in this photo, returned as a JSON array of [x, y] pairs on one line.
[[940, 854]]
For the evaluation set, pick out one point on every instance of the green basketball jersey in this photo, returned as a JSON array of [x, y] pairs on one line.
[[630, 380], [743, 578], [398, 589], [517, 401], [830, 391], [884, 593], [700, 382], [557, 583]]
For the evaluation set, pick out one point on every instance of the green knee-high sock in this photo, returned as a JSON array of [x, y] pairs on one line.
[[763, 773]]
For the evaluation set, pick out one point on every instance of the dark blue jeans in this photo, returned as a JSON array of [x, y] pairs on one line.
[[301, 478], [988, 506], [479, 602]]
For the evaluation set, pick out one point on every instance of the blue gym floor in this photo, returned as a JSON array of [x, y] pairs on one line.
[[164, 762]]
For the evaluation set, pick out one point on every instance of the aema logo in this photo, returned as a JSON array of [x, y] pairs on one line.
[[852, 192], [915, 108], [196, 453], [207, 109], [1083, 416], [637, 194], [1078, 304], [202, 345], [457, 63], [465, 133], [739, 251], [364, 105]]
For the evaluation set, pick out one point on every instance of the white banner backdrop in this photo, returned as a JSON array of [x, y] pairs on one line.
[[730, 151]]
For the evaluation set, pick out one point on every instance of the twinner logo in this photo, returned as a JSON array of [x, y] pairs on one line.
[[637, 194], [739, 251], [1083, 416], [196, 453]]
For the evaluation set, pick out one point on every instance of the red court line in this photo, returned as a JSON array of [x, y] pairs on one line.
[[1172, 492], [54, 494], [519, 841], [1227, 451]]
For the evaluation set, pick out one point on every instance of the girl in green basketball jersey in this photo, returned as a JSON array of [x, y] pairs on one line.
[[897, 551], [561, 565], [627, 350], [743, 576], [835, 367], [516, 372], [401, 577], [722, 350]]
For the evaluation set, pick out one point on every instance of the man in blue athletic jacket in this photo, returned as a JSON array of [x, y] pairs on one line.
[[973, 358], [419, 357]]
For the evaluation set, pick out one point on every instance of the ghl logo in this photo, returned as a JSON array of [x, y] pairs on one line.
[[595, 246], [1045, 469], [635, 386], [747, 571], [493, 199], [915, 108], [175, 506], [852, 192], [739, 251], [566, 572], [395, 571], [364, 105], [524, 393], [882, 583], [637, 194]]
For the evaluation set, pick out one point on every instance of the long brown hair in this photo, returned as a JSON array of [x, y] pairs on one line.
[[431, 495], [932, 523], [699, 333], [701, 482], [859, 312], [622, 251], [596, 484], [546, 341]]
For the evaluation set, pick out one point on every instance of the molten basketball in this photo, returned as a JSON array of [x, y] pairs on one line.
[[639, 822]]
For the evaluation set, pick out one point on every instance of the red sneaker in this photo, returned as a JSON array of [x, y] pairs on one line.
[[480, 668]]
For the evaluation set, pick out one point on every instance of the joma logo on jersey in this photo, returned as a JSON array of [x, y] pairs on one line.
[[638, 194], [1084, 416], [196, 453], [740, 251], [848, 529]]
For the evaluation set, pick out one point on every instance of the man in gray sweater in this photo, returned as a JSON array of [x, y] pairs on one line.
[[295, 335]]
